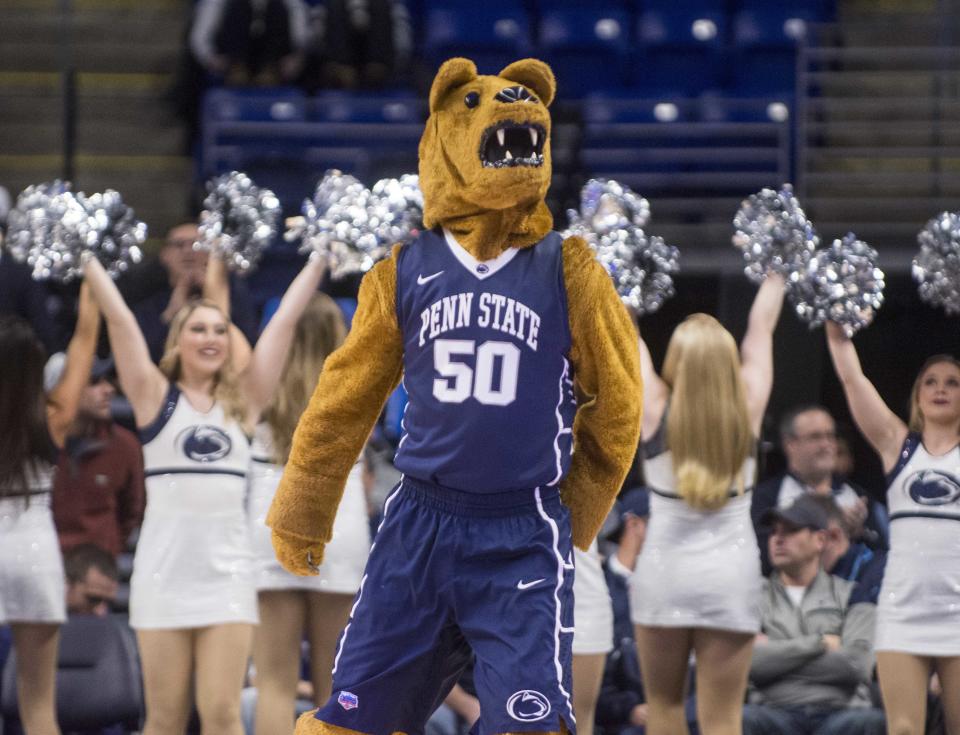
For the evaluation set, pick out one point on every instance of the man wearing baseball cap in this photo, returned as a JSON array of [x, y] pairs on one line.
[[813, 662]]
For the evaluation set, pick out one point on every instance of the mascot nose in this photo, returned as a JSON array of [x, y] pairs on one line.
[[514, 94]]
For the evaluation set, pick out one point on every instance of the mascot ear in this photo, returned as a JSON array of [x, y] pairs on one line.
[[453, 73], [535, 75]]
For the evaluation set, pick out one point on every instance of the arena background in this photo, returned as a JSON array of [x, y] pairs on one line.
[[694, 104]]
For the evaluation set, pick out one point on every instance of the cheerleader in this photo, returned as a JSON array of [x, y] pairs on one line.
[[696, 586], [292, 606], [32, 427], [193, 594], [918, 613], [592, 636]]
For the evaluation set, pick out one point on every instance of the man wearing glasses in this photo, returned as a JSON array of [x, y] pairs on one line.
[[808, 436]]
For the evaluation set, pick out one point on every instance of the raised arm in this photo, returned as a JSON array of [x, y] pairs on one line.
[[141, 381], [266, 365], [216, 288], [756, 349], [64, 400], [606, 373], [355, 383], [655, 393], [881, 426]]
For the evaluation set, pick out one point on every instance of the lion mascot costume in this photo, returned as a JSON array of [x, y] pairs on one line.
[[522, 370]]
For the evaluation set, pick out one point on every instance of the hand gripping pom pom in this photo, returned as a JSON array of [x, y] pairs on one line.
[[338, 224], [239, 220], [51, 227], [773, 233], [936, 267], [641, 266], [841, 283]]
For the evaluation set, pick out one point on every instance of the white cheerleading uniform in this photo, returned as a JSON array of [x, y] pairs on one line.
[[193, 566], [918, 611], [592, 608], [344, 558], [32, 583], [698, 568]]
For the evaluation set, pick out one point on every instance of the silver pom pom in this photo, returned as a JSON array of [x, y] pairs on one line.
[[606, 205], [338, 224], [774, 233], [641, 266], [936, 267], [112, 231], [396, 209], [50, 227], [239, 220], [841, 283]]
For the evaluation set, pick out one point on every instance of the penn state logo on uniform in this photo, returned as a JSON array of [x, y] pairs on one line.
[[933, 487], [204, 443], [528, 705]]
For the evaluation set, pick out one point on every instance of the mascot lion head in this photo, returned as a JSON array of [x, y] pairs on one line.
[[485, 155]]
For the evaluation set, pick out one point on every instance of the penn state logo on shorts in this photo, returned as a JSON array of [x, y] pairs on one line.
[[204, 443], [528, 705], [933, 487]]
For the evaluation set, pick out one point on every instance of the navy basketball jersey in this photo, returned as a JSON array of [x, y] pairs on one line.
[[486, 365]]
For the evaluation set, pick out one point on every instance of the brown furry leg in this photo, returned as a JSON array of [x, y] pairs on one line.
[[307, 724]]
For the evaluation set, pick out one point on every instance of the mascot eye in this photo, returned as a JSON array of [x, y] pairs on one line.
[[471, 100]]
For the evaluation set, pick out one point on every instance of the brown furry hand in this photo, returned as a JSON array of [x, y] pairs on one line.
[[296, 554]]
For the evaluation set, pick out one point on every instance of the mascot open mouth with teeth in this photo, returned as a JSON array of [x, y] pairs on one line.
[[522, 370]]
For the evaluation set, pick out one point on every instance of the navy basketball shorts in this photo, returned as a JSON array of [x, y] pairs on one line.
[[452, 573]]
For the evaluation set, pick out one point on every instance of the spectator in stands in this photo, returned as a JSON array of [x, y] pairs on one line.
[[98, 493], [808, 435], [813, 661], [363, 43], [621, 705], [92, 580], [250, 42], [32, 425], [183, 275], [919, 605], [853, 561]]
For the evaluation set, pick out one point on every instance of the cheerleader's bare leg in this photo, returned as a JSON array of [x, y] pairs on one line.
[[222, 653], [36, 648], [664, 653], [276, 658], [723, 664], [904, 679], [948, 669], [166, 657], [587, 678], [327, 615]]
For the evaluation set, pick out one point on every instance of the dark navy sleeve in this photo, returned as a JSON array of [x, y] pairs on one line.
[[764, 498], [868, 582]]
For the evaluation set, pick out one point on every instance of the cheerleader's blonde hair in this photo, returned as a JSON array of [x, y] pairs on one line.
[[708, 426]]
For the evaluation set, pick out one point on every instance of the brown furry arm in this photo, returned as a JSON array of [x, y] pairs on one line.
[[606, 370], [355, 382]]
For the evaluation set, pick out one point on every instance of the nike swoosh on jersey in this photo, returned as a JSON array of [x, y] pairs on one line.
[[422, 279], [521, 585]]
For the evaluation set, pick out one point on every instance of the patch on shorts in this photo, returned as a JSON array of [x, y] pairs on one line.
[[528, 705], [348, 700]]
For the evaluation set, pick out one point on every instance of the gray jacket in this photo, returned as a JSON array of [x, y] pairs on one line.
[[793, 669]]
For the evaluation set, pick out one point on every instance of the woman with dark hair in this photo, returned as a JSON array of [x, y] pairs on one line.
[[32, 427], [918, 612], [193, 598]]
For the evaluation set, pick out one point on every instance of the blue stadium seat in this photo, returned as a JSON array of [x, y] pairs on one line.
[[492, 34], [588, 46], [278, 104], [345, 107], [682, 51]]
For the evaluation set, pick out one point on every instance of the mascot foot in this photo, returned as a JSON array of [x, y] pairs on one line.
[[308, 724]]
